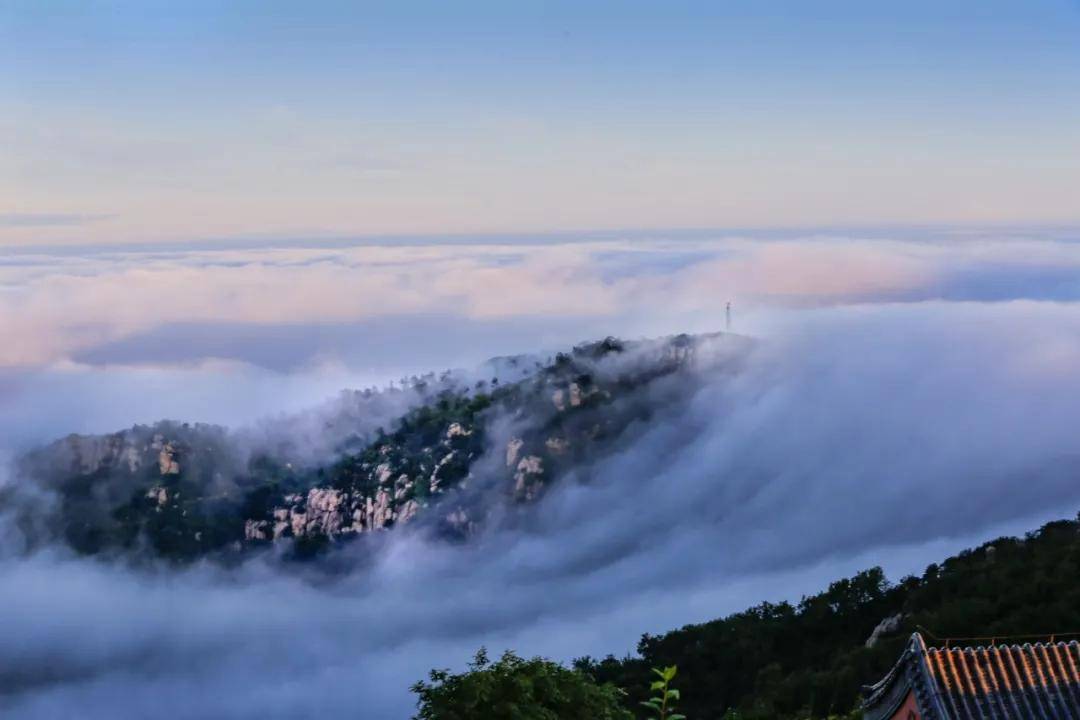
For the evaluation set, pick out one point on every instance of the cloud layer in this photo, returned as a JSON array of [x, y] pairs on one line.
[[890, 415], [102, 306]]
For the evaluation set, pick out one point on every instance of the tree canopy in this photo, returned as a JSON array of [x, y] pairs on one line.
[[792, 661], [513, 688]]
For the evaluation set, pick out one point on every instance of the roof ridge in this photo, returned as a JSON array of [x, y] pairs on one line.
[[1049, 644]]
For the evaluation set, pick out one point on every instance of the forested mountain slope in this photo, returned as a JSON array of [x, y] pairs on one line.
[[810, 659], [443, 450]]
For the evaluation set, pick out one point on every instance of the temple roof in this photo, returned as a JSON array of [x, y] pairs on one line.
[[1039, 680]]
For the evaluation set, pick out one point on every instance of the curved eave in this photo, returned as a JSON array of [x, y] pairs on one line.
[[888, 694], [910, 674]]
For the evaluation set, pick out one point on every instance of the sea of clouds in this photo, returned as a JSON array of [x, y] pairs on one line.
[[910, 395]]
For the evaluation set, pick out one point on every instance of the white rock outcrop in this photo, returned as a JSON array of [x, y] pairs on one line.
[[383, 473], [407, 512], [887, 626], [512, 449], [256, 530], [325, 511], [527, 479], [434, 480], [556, 445], [168, 460], [159, 494], [456, 430]]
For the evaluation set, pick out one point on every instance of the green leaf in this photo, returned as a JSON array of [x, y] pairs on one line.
[[673, 693], [669, 672], [676, 716], [657, 685]]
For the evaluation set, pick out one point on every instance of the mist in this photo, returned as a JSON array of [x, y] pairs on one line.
[[857, 434], [340, 340]]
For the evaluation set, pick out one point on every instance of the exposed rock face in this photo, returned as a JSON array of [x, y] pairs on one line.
[[456, 430], [383, 473], [378, 513], [256, 530], [402, 486], [330, 512], [168, 463], [433, 481], [528, 480], [572, 397], [281, 522], [556, 445], [512, 449], [408, 511], [325, 511], [383, 495], [124, 451], [159, 495], [83, 455], [886, 627]]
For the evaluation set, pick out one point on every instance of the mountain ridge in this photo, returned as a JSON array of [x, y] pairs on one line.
[[379, 458]]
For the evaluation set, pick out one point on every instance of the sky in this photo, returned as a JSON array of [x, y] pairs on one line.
[[134, 122]]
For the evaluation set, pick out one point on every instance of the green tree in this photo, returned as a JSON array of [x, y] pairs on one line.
[[516, 689]]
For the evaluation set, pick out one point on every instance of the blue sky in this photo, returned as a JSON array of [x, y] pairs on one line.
[[156, 121]]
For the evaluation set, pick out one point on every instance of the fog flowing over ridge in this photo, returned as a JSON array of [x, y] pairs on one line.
[[352, 353], [100, 338], [872, 433]]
